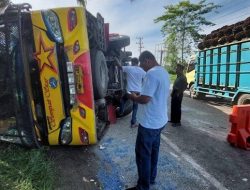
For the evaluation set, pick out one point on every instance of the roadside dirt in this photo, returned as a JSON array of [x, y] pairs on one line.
[[76, 168]]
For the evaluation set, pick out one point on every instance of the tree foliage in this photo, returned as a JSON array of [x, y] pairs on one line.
[[182, 25], [171, 58], [4, 3]]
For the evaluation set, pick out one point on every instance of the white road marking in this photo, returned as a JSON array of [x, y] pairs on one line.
[[206, 128], [195, 165], [174, 155], [211, 132]]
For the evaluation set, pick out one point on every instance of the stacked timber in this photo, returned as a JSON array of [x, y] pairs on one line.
[[227, 34]]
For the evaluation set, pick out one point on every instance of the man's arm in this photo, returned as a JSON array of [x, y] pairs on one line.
[[141, 99]]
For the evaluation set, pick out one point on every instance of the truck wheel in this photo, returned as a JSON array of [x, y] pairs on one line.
[[195, 95], [118, 41], [192, 93], [200, 95], [244, 99], [99, 73]]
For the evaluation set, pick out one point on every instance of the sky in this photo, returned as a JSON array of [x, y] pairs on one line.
[[136, 18]]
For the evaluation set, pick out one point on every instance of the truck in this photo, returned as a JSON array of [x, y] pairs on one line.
[[59, 80], [222, 66], [190, 74]]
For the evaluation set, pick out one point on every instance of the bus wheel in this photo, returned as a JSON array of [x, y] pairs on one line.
[[244, 99], [99, 73], [118, 41]]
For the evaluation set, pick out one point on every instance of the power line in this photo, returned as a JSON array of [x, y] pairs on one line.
[[228, 22], [219, 16]]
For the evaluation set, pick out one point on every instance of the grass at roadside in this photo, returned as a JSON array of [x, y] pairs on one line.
[[25, 169], [172, 78]]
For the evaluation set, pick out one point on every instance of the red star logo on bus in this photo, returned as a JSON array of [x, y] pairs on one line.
[[44, 55]]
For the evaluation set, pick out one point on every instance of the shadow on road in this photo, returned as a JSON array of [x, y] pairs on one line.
[[213, 100]]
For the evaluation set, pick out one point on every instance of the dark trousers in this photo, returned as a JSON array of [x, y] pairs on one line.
[[135, 108], [176, 107], [147, 151], [134, 111]]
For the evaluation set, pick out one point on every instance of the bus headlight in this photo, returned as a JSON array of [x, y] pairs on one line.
[[70, 68], [53, 26], [71, 78], [66, 131]]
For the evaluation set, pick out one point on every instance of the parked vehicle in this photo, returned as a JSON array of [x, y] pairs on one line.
[[190, 74], [223, 64], [59, 84]]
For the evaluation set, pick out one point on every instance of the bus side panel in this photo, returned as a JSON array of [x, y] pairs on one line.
[[244, 81], [232, 66]]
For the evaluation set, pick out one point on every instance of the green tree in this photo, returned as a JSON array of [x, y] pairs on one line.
[[171, 58], [4, 3], [184, 21]]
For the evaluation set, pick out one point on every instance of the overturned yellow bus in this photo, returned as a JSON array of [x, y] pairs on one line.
[[59, 83]]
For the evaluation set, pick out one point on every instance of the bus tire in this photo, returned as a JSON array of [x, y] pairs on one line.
[[244, 99], [99, 73], [119, 41]]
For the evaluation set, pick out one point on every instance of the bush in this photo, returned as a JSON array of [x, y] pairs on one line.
[[170, 69], [23, 169]]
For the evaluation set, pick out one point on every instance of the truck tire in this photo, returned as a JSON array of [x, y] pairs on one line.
[[244, 99], [192, 92], [195, 95], [118, 42], [99, 73], [200, 96]]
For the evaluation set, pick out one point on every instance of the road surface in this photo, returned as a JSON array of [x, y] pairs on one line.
[[192, 157]]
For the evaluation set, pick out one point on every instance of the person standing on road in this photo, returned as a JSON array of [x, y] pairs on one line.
[[180, 85], [135, 75], [152, 117]]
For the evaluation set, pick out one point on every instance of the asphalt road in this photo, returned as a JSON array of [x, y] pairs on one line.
[[192, 157]]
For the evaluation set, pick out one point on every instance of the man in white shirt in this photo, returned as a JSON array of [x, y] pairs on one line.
[[135, 75], [152, 117]]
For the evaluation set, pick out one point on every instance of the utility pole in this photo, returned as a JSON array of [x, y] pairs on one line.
[[140, 43], [160, 49]]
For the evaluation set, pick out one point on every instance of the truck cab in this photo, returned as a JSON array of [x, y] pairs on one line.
[[190, 74]]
